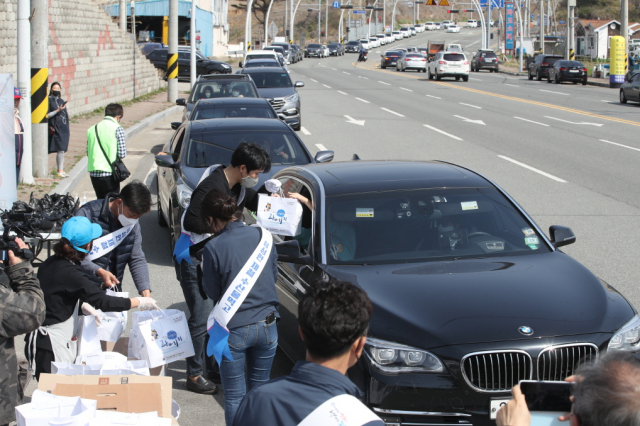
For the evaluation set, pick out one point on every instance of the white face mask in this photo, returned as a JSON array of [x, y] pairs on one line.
[[249, 182], [207, 94], [126, 221]]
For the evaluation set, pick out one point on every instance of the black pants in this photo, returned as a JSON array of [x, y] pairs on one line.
[[104, 185]]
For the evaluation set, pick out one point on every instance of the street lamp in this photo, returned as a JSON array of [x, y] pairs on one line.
[[418, 10], [319, 9]]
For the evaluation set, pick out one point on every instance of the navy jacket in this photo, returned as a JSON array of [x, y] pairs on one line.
[[287, 400], [129, 252], [223, 258]]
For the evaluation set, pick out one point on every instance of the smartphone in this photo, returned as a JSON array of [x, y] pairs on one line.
[[547, 396], [64, 103]]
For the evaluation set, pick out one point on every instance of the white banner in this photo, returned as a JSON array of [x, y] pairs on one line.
[[104, 245], [8, 191]]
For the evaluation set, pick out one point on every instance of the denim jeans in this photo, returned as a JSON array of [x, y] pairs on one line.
[[254, 345], [199, 310]]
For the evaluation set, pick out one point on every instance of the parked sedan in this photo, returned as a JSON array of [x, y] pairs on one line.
[[573, 71], [446, 64], [539, 68], [469, 295], [453, 28], [412, 61], [197, 145], [336, 49], [205, 66], [390, 58], [314, 49], [230, 108], [630, 90], [353, 46], [485, 59]]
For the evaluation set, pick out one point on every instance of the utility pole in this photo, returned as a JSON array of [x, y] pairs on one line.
[[319, 13], [247, 26], [572, 30], [293, 16], [24, 84], [624, 30], [542, 26], [39, 78], [489, 24], [192, 38], [122, 22], [326, 20], [135, 43], [172, 56]]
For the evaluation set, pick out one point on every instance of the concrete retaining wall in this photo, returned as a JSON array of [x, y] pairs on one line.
[[88, 54]]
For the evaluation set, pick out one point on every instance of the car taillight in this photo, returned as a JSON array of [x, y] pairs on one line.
[[442, 62], [544, 64], [423, 60], [564, 69], [465, 63], [584, 70]]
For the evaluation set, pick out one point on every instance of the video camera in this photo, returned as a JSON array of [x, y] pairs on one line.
[[8, 243]]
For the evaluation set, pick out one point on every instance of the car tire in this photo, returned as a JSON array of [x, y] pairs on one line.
[[404, 70], [584, 82], [215, 72], [465, 78], [299, 126], [623, 98], [437, 76], [549, 79], [429, 75], [557, 79], [161, 220], [383, 67], [457, 78], [538, 76], [530, 76], [424, 70], [575, 82]]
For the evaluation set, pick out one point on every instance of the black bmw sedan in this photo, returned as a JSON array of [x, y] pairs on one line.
[[573, 71], [199, 144], [470, 296]]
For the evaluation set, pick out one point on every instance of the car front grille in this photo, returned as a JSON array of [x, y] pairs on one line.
[[560, 362], [277, 104], [496, 371]]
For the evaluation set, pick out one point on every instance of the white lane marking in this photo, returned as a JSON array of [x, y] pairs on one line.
[[362, 100], [344, 72], [434, 97], [571, 122], [321, 147], [328, 87], [469, 105], [475, 42], [470, 120], [366, 78], [513, 85], [619, 144], [533, 169], [531, 121], [384, 83], [339, 91], [551, 91], [408, 90], [392, 112], [476, 79], [443, 132], [315, 81], [305, 131], [354, 121]]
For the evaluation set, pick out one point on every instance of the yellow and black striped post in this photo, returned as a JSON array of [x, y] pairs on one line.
[[172, 65], [572, 54], [39, 103], [248, 46]]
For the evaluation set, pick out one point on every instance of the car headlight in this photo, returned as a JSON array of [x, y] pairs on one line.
[[292, 98], [226, 65], [184, 194], [390, 357], [628, 337]]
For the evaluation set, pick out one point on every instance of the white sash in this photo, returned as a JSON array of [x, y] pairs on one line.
[[341, 410], [104, 245], [242, 284]]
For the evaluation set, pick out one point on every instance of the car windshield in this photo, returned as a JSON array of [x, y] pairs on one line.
[[222, 89], [393, 54], [351, 43], [551, 60], [426, 225], [453, 57], [208, 148], [414, 55], [488, 55], [577, 64], [271, 79], [206, 111], [314, 46], [254, 64], [334, 45]]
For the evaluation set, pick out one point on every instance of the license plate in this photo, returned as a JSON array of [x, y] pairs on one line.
[[454, 65], [495, 405], [573, 71]]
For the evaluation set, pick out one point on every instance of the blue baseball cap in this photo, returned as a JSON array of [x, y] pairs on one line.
[[80, 231], [16, 93]]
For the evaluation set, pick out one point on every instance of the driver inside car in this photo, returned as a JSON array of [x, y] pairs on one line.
[[342, 240]]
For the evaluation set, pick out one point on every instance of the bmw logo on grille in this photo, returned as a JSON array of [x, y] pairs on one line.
[[527, 331]]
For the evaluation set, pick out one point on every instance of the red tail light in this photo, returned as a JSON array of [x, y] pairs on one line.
[[564, 69], [544, 64], [442, 62], [465, 63], [584, 70], [423, 60]]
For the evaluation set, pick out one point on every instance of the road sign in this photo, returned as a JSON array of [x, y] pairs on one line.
[[432, 3], [443, 3], [533, 16], [272, 30], [336, 4], [509, 30], [562, 22], [359, 12], [495, 4]]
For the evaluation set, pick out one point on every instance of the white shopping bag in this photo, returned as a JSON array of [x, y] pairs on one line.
[[88, 340], [46, 409], [136, 341], [121, 369], [113, 323], [165, 339], [281, 216]]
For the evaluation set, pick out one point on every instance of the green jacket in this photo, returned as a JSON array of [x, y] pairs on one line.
[[107, 132]]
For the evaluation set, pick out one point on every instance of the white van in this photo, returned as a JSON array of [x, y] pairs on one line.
[[260, 54], [472, 23]]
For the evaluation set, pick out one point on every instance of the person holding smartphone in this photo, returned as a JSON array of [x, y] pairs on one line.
[[58, 126]]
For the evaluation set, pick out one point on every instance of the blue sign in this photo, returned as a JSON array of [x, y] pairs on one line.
[[359, 12], [336, 4], [562, 22], [510, 22], [495, 4], [533, 16]]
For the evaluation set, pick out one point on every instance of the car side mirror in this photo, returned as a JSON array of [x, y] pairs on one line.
[[181, 101], [324, 156], [289, 251], [561, 235], [166, 161], [240, 64], [299, 84], [175, 125]]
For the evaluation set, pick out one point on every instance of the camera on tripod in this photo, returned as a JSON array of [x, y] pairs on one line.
[[8, 243]]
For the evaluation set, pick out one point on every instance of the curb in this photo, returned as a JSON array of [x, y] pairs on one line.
[[80, 169], [589, 82]]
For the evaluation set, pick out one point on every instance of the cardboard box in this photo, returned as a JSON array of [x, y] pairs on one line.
[[125, 398], [48, 381]]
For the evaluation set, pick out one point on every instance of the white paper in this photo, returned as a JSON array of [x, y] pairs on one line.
[[88, 340], [52, 410], [113, 323], [114, 418]]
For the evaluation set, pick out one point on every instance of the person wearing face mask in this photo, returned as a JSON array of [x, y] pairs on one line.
[[58, 126], [19, 131], [208, 93], [235, 180], [117, 215], [65, 287], [112, 140]]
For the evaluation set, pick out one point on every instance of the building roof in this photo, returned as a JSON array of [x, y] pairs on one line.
[[596, 23]]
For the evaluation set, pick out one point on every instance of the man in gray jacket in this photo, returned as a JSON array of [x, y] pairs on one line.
[[22, 310], [121, 241]]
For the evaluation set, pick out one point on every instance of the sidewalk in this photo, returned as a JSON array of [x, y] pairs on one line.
[[134, 112]]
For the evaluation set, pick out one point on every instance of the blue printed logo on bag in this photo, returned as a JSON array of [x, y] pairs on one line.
[[280, 213]]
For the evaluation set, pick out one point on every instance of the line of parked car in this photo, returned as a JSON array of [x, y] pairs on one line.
[[556, 69]]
